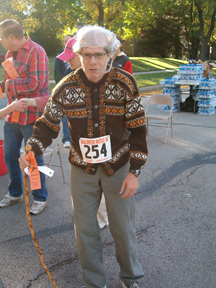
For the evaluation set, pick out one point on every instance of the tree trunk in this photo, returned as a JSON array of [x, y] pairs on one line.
[[194, 47], [101, 13], [204, 39], [204, 48]]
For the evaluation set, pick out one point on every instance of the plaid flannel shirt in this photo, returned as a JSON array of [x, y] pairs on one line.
[[32, 64]]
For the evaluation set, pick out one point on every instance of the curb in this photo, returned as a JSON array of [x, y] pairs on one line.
[[150, 88]]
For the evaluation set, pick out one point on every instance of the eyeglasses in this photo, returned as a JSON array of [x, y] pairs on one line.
[[96, 55], [3, 37]]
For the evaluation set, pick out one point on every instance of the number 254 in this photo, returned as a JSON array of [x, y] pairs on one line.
[[95, 149]]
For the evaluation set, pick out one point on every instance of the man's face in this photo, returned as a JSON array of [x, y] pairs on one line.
[[74, 62], [5, 40], [93, 67]]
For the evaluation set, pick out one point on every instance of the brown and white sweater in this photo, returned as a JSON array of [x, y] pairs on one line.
[[110, 107]]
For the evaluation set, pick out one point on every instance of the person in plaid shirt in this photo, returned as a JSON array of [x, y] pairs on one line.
[[32, 65]]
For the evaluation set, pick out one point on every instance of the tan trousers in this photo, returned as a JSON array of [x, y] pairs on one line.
[[86, 191]]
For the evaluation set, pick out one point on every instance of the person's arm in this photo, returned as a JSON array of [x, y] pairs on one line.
[[14, 106], [135, 123], [34, 78], [45, 129], [41, 102], [38, 102]]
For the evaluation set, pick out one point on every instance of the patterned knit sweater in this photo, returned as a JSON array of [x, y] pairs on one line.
[[110, 107]]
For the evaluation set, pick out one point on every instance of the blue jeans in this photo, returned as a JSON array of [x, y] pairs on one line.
[[13, 136], [65, 130]]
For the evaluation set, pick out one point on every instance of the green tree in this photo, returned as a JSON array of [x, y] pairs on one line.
[[163, 39], [43, 21], [103, 12], [190, 22], [196, 17]]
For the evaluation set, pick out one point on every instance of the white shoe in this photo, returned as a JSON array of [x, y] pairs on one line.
[[101, 221], [102, 215], [133, 285], [38, 207], [10, 200], [67, 144]]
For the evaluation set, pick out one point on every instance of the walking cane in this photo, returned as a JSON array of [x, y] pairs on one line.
[[28, 148]]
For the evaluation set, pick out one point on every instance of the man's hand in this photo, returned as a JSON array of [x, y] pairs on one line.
[[23, 162], [129, 185], [29, 101], [18, 106]]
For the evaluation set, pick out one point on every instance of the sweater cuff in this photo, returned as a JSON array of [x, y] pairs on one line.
[[36, 146]]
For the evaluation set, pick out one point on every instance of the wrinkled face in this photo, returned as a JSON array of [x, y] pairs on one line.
[[74, 62], [94, 65]]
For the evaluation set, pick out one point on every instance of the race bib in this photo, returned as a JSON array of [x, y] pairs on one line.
[[96, 150]]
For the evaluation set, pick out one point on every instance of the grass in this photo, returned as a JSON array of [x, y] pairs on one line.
[[51, 68], [144, 64], [51, 86], [152, 79]]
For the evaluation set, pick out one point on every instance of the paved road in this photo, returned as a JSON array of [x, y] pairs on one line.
[[176, 218]]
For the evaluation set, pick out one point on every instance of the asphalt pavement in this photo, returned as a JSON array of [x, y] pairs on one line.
[[176, 216]]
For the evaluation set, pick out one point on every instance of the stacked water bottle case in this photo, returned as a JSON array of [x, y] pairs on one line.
[[206, 97], [169, 87], [190, 72]]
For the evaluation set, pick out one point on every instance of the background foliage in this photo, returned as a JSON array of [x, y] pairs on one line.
[[166, 28]]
